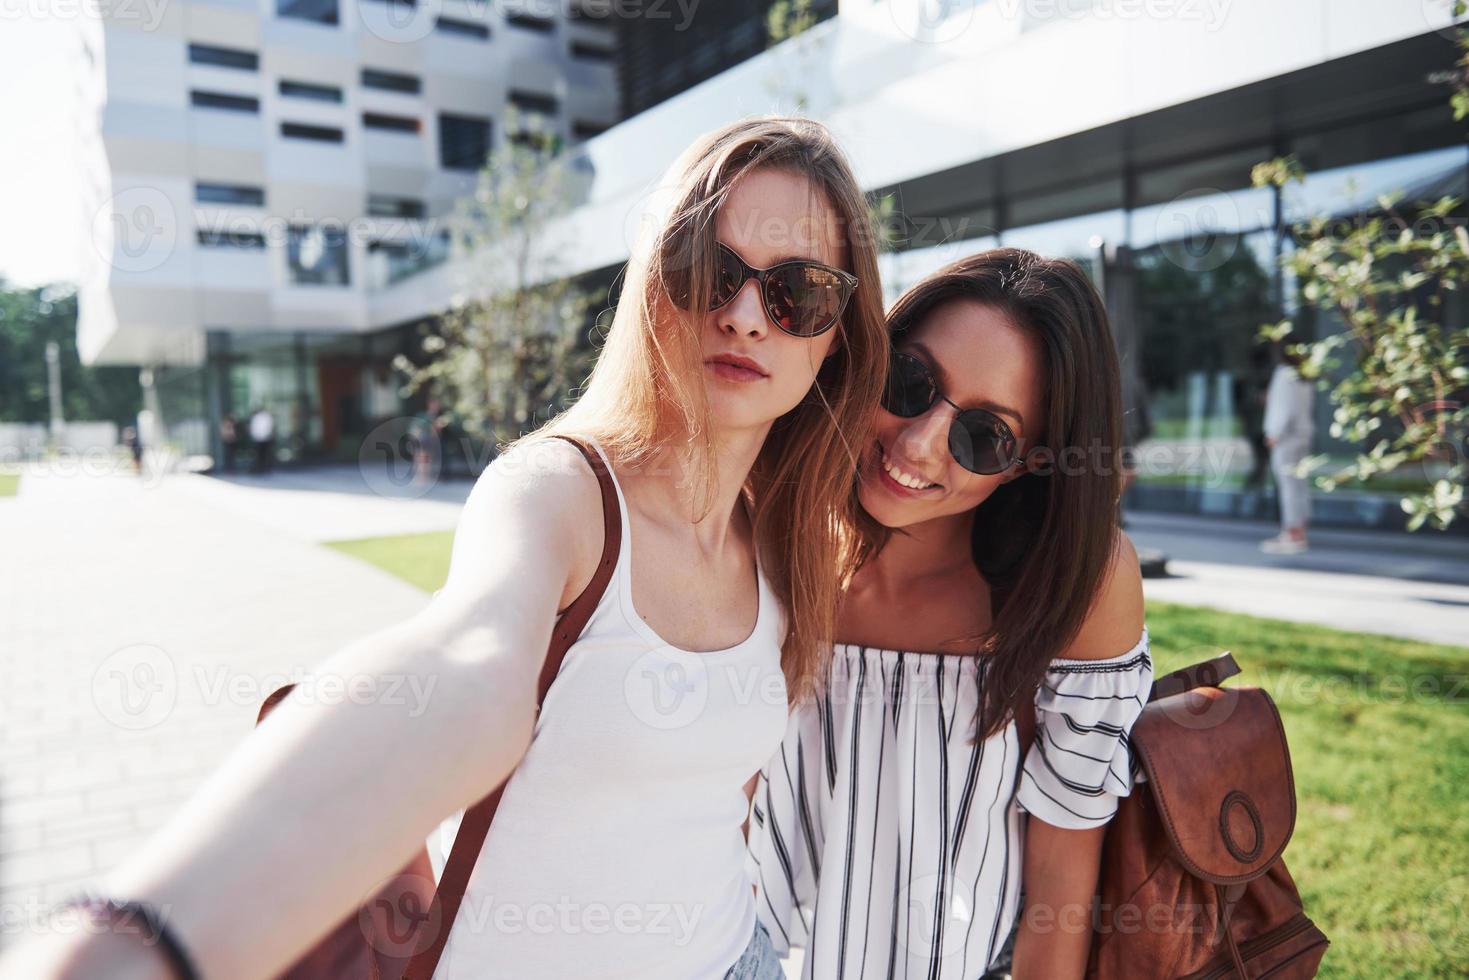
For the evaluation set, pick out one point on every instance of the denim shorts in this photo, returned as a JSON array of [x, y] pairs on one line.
[[759, 960]]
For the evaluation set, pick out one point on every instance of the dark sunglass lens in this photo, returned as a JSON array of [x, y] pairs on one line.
[[981, 442], [729, 276], [909, 389], [805, 299]]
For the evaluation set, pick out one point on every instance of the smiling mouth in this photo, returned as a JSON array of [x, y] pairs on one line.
[[903, 478]]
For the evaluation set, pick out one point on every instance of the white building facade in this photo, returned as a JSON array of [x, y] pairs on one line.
[[260, 172]]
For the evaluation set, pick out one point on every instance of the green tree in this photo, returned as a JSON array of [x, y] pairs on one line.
[[1398, 374], [510, 348], [29, 319]]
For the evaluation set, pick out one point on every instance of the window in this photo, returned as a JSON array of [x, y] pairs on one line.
[[204, 54], [533, 102], [210, 238], [583, 130], [387, 206], [464, 141], [301, 131], [591, 52], [390, 262], [308, 90], [316, 11], [390, 81], [218, 100], [463, 28], [317, 256], [241, 194], [530, 22], [540, 142], [392, 124]]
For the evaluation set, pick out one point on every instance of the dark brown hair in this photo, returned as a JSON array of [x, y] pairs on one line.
[[1044, 540]]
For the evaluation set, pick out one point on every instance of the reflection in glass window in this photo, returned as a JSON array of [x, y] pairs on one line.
[[1200, 371], [316, 11], [317, 256], [1352, 190], [1071, 238]]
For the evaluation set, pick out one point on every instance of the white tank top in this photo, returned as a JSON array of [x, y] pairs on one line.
[[616, 850]]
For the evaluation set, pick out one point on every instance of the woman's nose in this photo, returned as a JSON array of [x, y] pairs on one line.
[[925, 438], [745, 314]]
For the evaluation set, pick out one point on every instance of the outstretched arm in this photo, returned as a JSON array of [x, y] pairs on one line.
[[322, 802]]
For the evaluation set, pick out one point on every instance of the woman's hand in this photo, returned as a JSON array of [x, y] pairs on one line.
[[323, 801]]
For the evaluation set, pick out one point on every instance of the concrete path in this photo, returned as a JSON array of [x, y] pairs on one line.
[[1413, 586], [141, 626]]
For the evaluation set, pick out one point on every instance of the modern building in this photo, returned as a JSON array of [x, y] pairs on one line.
[[263, 176], [1123, 134], [1118, 132]]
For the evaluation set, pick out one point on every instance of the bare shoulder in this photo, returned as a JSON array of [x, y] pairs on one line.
[[540, 501], [1115, 622]]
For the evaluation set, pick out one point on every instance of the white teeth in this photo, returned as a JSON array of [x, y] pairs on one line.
[[905, 478]]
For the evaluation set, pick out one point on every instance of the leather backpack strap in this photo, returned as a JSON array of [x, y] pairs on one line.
[[475, 826], [1207, 673]]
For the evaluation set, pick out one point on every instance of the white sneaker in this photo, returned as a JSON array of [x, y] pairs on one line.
[[1283, 546]]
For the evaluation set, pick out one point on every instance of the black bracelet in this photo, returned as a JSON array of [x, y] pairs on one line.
[[138, 917]]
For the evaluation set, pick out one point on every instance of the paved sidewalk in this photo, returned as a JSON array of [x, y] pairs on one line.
[[140, 628], [334, 503], [1414, 586]]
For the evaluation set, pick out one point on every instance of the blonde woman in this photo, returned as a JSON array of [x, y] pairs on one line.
[[744, 362]]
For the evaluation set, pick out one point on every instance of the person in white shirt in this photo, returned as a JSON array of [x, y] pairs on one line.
[[1288, 430], [262, 434]]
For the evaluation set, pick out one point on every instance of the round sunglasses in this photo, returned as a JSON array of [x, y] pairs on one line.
[[981, 441], [802, 297]]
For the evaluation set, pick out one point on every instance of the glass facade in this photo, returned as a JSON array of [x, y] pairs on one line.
[[1188, 255]]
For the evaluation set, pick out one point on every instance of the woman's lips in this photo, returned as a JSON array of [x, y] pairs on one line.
[[732, 372]]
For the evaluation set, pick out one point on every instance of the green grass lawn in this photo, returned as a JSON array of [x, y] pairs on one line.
[[421, 559], [1379, 738], [9, 484]]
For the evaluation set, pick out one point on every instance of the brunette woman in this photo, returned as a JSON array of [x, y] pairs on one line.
[[890, 831], [747, 348]]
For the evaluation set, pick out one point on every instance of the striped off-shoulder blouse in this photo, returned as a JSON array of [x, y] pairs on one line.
[[888, 846]]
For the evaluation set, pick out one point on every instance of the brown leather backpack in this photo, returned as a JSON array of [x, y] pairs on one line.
[[1192, 883], [402, 929]]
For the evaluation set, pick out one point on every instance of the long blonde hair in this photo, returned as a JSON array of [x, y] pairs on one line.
[[647, 392]]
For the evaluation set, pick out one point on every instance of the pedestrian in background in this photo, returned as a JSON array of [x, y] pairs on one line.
[[229, 440], [1288, 430], [262, 434]]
